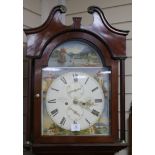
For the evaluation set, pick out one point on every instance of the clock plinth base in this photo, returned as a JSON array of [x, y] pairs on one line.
[[77, 149]]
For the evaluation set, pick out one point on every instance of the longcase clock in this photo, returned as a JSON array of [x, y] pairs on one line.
[[73, 87]]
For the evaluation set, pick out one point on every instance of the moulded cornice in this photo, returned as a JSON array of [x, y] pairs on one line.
[[39, 37]]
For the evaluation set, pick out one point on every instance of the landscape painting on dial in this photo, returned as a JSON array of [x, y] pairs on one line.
[[102, 76], [74, 54]]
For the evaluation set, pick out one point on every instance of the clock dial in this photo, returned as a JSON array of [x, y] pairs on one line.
[[75, 97]]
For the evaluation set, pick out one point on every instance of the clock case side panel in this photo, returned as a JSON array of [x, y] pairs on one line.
[[43, 62], [29, 106]]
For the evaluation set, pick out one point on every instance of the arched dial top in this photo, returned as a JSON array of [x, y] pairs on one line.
[[75, 53], [75, 98]]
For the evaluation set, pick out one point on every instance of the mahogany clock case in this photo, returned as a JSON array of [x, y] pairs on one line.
[[110, 45]]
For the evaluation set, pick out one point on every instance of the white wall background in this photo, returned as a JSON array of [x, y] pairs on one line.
[[31, 14], [117, 12]]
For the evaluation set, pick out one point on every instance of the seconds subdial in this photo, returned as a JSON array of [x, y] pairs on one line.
[[75, 90]]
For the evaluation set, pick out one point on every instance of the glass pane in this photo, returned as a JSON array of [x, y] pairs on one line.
[[74, 54], [75, 101]]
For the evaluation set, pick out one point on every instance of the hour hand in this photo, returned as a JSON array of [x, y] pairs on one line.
[[87, 103], [83, 104]]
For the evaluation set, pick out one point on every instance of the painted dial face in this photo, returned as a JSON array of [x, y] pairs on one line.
[[75, 98]]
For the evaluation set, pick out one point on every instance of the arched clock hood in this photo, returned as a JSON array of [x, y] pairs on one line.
[[39, 37]]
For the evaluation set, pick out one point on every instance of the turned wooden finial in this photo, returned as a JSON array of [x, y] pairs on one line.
[[77, 22]]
